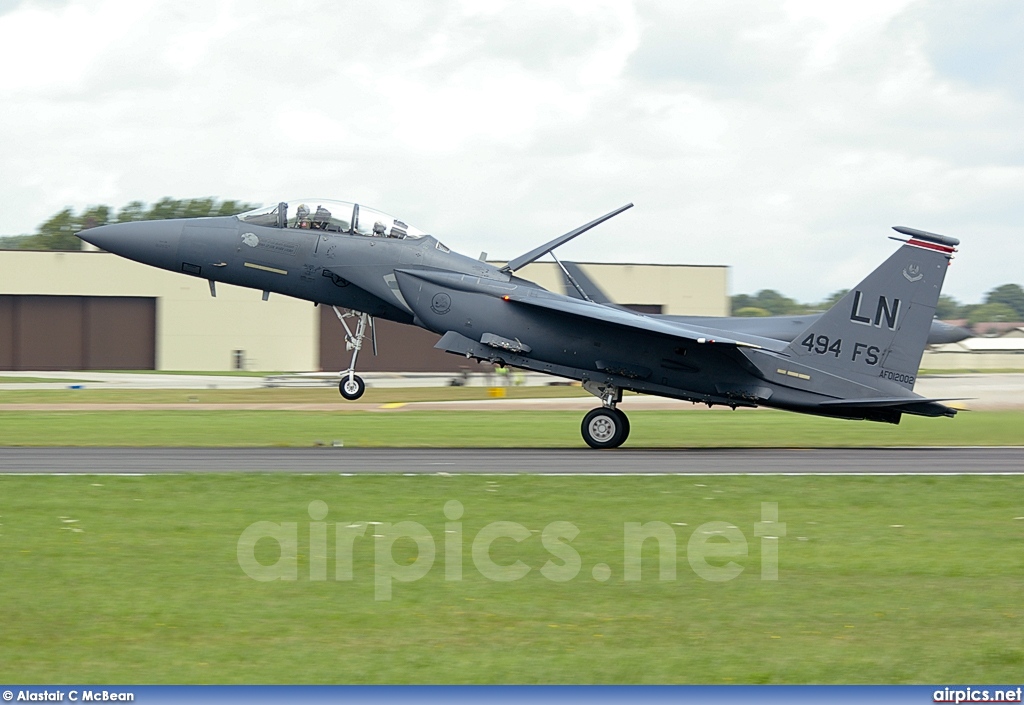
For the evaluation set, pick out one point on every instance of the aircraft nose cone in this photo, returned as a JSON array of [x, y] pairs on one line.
[[101, 236], [151, 242]]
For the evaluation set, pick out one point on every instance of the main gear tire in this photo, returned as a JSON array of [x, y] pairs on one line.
[[604, 428]]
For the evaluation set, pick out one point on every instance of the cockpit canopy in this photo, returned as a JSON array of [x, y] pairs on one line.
[[334, 216]]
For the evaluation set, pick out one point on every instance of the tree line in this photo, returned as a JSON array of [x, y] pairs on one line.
[[58, 233], [1002, 304]]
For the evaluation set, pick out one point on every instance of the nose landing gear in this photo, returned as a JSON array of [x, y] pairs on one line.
[[352, 385]]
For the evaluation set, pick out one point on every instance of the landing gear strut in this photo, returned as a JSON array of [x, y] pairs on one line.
[[352, 385], [607, 426]]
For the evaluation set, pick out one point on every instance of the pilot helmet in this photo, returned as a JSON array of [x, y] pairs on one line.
[[302, 211]]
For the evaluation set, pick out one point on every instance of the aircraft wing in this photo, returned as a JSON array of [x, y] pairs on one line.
[[577, 308]]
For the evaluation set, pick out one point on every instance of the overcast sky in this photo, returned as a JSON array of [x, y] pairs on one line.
[[781, 138]]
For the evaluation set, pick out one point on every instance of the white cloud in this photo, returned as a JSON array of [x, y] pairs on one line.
[[781, 138]]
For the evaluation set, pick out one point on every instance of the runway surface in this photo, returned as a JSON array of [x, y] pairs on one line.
[[126, 461]]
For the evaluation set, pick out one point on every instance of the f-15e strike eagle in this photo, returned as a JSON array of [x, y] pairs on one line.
[[858, 360]]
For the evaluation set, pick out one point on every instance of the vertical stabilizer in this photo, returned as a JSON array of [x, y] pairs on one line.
[[572, 271], [881, 326]]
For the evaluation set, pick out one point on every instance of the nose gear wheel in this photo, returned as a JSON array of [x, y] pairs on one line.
[[352, 387]]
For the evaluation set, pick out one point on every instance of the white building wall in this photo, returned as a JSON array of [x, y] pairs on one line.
[[972, 360]]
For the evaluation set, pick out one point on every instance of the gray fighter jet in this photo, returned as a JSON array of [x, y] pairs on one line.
[[858, 360]]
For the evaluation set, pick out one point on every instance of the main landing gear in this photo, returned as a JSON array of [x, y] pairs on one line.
[[351, 385], [607, 426]]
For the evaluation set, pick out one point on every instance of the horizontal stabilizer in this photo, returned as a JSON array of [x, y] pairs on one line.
[[886, 401], [890, 408], [925, 236]]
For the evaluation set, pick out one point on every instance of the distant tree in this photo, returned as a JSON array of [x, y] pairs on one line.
[[94, 217], [1004, 303], [1009, 294], [768, 300], [991, 313], [207, 207], [58, 233], [233, 208], [948, 308], [194, 208], [135, 210], [832, 300], [165, 209], [777, 304], [741, 301], [751, 312], [13, 242]]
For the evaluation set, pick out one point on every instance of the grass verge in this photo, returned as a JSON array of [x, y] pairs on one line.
[[505, 429], [35, 380], [321, 395], [881, 580]]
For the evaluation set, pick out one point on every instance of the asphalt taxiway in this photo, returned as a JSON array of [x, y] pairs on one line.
[[625, 461]]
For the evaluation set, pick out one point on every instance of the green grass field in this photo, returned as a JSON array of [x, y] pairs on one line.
[[881, 580], [35, 380], [538, 429], [292, 395]]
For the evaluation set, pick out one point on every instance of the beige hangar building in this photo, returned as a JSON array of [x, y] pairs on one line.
[[94, 310]]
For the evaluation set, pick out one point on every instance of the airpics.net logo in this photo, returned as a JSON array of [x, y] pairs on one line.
[[712, 549]]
